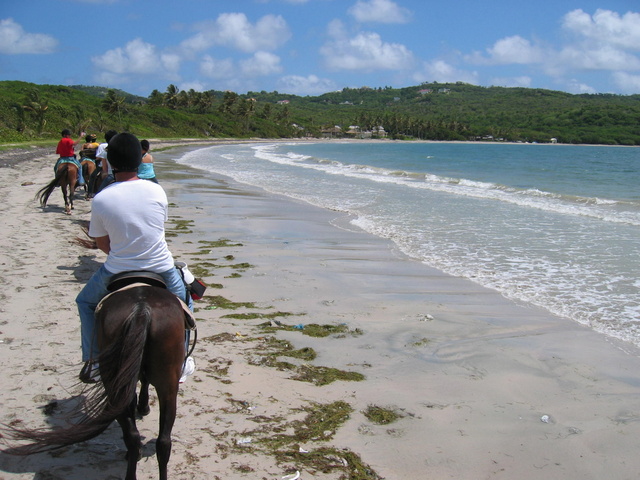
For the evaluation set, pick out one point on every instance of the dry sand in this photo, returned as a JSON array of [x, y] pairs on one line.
[[485, 388]]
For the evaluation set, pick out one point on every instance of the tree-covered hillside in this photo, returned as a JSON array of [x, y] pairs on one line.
[[429, 111]]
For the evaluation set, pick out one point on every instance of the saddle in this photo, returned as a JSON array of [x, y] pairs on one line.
[[126, 280], [88, 154], [121, 280]]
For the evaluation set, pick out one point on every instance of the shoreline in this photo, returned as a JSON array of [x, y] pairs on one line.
[[13, 156], [471, 374]]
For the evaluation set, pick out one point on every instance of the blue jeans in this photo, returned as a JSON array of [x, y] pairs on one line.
[[96, 289]]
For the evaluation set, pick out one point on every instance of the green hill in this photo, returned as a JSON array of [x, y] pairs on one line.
[[457, 111]]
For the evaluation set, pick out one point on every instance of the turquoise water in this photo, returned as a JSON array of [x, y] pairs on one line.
[[553, 225]]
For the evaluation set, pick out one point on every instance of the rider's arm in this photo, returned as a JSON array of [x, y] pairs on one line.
[[103, 243]]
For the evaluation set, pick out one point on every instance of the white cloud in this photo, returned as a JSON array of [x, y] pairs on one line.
[[213, 68], [626, 82], [605, 27], [309, 85], [509, 50], [234, 30], [604, 41], [197, 86], [600, 58], [522, 81], [365, 52], [15, 41], [441, 71], [379, 11], [576, 86], [261, 64], [136, 59]]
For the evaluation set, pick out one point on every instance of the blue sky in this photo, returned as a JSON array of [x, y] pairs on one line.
[[309, 47]]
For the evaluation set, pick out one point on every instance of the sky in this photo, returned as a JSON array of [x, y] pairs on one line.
[[310, 47]]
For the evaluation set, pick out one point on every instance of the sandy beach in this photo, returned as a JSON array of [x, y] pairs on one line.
[[465, 383]]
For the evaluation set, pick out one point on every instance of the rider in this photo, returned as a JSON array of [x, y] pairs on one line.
[[105, 176], [127, 222], [67, 154], [89, 148], [145, 170], [88, 157]]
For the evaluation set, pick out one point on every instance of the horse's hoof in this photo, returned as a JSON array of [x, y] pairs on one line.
[[143, 412]]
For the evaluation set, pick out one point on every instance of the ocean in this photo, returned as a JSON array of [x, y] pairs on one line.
[[556, 226]]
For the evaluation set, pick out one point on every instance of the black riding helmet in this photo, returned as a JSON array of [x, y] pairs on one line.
[[124, 153]]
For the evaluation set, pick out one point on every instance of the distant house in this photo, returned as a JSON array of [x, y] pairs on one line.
[[379, 132], [444, 90], [283, 102], [425, 91], [332, 132], [554, 140]]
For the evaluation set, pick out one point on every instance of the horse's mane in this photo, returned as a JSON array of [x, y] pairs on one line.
[[87, 242]]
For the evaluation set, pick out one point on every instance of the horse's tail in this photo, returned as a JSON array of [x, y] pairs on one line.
[[44, 193], [120, 366]]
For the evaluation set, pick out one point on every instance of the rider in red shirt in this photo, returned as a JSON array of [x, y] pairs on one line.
[[67, 154], [66, 145]]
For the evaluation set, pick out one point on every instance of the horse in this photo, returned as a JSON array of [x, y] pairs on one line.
[[88, 167], [141, 335], [65, 178]]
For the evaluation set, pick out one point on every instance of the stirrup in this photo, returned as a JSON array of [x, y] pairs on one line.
[[90, 372]]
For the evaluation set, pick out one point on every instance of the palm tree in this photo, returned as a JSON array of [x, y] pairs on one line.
[[228, 101], [171, 96], [114, 103], [156, 99], [38, 107], [80, 121]]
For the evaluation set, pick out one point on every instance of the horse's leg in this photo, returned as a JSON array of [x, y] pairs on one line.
[[167, 398], [87, 172], [73, 179], [67, 206], [131, 436], [143, 399]]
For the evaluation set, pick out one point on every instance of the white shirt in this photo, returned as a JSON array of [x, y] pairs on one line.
[[133, 214], [102, 153]]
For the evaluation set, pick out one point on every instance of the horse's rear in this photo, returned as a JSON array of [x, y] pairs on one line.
[[141, 333], [65, 178], [88, 173]]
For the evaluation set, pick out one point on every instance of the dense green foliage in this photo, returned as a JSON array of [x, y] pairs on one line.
[[430, 111]]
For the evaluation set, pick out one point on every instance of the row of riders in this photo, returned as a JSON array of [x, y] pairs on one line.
[[91, 170], [140, 333]]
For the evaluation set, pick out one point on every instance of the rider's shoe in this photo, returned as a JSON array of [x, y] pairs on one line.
[[187, 369], [90, 372]]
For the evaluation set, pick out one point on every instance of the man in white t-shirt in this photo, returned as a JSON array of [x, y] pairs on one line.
[[106, 173], [127, 222]]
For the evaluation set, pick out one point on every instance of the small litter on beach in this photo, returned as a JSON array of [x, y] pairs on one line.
[[243, 440], [293, 476], [544, 418]]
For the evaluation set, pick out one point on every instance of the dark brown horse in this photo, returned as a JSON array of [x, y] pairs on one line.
[[141, 334], [66, 178]]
